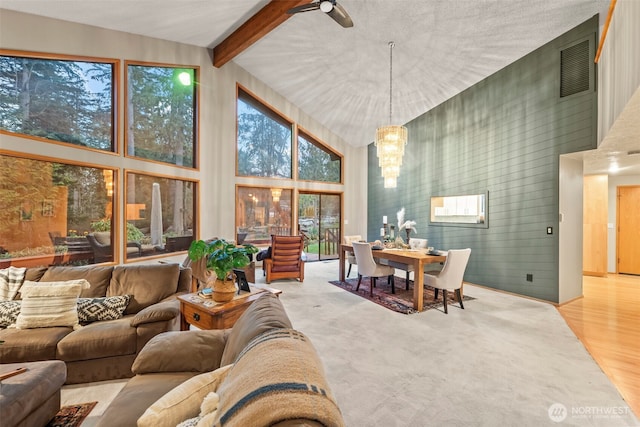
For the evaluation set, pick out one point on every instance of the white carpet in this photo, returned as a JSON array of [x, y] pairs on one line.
[[504, 360]]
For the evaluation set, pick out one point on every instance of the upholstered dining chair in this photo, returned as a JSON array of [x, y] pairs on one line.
[[350, 256], [368, 267], [286, 258], [451, 275]]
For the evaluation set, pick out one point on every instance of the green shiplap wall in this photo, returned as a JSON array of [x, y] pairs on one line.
[[502, 135]]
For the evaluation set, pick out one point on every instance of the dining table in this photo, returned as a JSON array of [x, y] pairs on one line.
[[416, 257]]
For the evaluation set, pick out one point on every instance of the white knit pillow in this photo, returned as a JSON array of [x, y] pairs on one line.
[[47, 304], [10, 281]]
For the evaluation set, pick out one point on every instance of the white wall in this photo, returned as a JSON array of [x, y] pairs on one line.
[[614, 182], [217, 131], [570, 230]]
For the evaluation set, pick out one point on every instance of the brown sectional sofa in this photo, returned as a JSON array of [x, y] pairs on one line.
[[266, 355], [103, 350]]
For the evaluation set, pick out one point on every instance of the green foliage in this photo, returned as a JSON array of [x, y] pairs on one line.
[[133, 233], [222, 256]]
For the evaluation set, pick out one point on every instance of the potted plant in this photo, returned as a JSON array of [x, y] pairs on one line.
[[222, 257]]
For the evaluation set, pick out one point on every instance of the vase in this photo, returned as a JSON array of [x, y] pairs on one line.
[[408, 230], [223, 290]]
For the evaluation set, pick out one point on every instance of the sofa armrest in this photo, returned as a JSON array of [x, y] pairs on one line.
[[160, 312], [182, 351]]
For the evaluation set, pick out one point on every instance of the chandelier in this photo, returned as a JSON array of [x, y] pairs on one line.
[[391, 139]]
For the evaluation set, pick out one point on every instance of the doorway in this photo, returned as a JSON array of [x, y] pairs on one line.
[[319, 219], [628, 231]]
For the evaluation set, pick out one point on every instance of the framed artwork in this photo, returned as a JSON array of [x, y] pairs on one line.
[[47, 208]]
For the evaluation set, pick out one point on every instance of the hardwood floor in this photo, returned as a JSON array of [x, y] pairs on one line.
[[607, 321]]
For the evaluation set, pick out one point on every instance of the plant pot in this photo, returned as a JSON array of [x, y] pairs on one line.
[[223, 290]]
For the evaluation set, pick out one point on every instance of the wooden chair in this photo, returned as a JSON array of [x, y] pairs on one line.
[[286, 258]]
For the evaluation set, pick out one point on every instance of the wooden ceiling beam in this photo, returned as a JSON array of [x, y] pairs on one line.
[[256, 27]]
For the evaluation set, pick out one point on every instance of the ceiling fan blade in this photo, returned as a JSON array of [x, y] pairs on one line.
[[340, 16], [304, 8]]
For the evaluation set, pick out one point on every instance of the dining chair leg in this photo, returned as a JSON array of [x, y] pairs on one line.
[[359, 280], [459, 295], [407, 282], [444, 296], [393, 283], [373, 284], [349, 270], [435, 293]]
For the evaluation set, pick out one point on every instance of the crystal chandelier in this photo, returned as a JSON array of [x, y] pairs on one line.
[[391, 139]]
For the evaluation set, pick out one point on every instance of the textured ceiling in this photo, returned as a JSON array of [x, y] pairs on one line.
[[339, 76]]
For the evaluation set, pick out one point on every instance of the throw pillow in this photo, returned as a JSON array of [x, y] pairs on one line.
[[184, 401], [47, 304], [106, 308], [9, 311], [10, 281]]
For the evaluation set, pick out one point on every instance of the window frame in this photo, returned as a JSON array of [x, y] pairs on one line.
[[115, 84], [196, 113], [292, 225], [265, 108], [301, 132]]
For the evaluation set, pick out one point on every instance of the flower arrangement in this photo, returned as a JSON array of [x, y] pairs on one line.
[[408, 226]]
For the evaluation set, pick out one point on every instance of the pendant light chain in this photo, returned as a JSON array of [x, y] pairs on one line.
[[391, 45]]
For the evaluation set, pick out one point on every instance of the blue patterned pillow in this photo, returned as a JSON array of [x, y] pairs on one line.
[[9, 311], [105, 308]]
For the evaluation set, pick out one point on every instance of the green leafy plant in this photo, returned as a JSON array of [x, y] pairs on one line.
[[222, 256], [133, 233]]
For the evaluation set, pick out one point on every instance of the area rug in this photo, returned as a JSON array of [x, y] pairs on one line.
[[72, 415], [402, 300]]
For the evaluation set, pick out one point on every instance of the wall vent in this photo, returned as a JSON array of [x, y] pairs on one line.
[[574, 69]]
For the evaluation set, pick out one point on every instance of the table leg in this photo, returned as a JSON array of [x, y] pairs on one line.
[[341, 265], [418, 285], [184, 326]]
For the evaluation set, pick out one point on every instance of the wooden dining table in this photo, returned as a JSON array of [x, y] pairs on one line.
[[416, 257]]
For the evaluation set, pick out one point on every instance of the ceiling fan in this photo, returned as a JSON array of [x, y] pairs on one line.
[[330, 7]]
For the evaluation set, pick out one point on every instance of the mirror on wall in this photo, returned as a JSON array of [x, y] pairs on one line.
[[469, 210]]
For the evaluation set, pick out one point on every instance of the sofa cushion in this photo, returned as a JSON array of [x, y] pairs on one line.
[[11, 279], [103, 237], [105, 308], [264, 314], [183, 401], [34, 274], [277, 377], [9, 311], [99, 340], [147, 284], [138, 394], [181, 351], [98, 277], [26, 345], [46, 304]]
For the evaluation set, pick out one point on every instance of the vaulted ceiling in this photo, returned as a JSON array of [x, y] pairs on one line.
[[340, 76]]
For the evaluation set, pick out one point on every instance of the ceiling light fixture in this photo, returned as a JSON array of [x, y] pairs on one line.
[[391, 139]]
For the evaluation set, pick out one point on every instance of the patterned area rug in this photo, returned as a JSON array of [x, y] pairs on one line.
[[402, 300], [72, 415]]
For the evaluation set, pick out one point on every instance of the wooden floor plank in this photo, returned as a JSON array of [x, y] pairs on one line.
[[607, 321]]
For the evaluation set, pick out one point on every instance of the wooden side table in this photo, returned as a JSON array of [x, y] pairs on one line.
[[204, 313]]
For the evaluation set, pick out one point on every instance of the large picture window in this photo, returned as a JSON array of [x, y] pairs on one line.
[[160, 214], [316, 162], [61, 99], [264, 140], [261, 212], [161, 113], [48, 209]]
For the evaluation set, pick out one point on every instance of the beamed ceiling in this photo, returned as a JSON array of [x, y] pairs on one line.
[[340, 76]]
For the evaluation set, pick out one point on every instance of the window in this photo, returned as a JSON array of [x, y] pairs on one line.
[[264, 140], [161, 113], [261, 212], [160, 214], [317, 162], [48, 208], [61, 99]]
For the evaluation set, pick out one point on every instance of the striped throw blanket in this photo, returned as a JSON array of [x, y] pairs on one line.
[[277, 377], [10, 282]]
